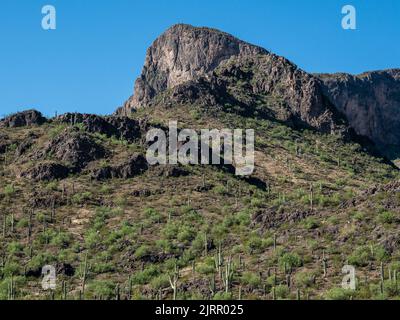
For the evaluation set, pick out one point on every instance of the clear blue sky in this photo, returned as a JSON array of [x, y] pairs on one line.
[[90, 62]]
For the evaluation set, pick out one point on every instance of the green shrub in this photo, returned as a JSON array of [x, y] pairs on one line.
[[104, 289], [360, 257], [81, 198], [255, 244], [142, 251], [62, 240], [9, 190], [387, 217], [290, 260], [220, 190], [11, 268], [22, 223], [186, 234], [14, 248], [305, 279], [222, 296], [339, 294], [282, 292], [311, 223], [92, 239], [250, 279], [160, 282], [207, 268], [40, 260], [145, 276]]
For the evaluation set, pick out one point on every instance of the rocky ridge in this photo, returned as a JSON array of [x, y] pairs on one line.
[[205, 66]]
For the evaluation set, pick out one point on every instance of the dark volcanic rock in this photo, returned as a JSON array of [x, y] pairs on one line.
[[46, 172], [119, 127], [22, 119], [271, 218], [65, 269], [168, 171], [135, 165], [3, 146], [73, 147], [4, 143], [25, 145]]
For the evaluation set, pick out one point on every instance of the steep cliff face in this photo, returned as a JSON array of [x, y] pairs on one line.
[[371, 102], [181, 54], [231, 72]]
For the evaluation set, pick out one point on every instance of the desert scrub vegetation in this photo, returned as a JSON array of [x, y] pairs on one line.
[[284, 234]]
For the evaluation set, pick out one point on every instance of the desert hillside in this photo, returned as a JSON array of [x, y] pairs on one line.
[[76, 191]]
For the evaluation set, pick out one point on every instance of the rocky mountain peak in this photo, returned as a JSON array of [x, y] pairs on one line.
[[203, 66], [181, 54], [187, 59]]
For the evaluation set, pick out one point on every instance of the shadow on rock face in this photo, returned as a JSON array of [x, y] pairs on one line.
[[135, 165], [46, 172]]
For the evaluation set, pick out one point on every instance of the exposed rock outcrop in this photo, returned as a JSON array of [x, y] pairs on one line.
[[181, 54], [46, 172], [22, 119], [73, 147], [119, 127], [169, 171], [135, 165], [371, 102], [216, 69]]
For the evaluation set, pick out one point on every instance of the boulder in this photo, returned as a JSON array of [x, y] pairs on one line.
[[135, 165], [46, 172], [118, 127], [73, 147], [22, 119]]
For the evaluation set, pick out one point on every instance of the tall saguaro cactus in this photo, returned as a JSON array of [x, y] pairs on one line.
[[173, 281], [85, 271], [228, 275]]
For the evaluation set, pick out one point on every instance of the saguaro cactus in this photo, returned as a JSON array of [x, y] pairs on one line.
[[30, 224], [4, 225], [312, 196], [11, 289], [173, 281], [228, 275], [219, 261], [64, 290], [324, 264], [130, 288], [212, 284], [117, 293], [85, 271], [53, 210], [382, 278], [205, 244]]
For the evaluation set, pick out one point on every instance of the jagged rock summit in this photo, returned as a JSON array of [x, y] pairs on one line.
[[198, 62], [181, 54]]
